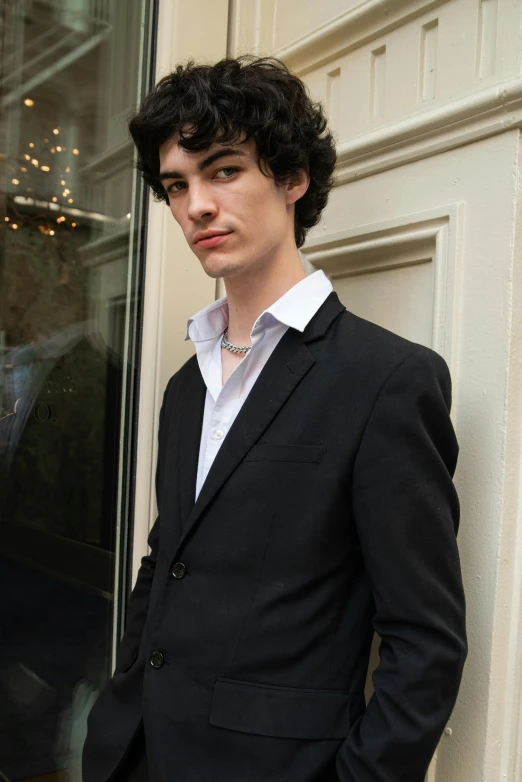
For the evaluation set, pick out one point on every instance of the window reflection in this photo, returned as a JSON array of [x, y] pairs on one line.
[[70, 73]]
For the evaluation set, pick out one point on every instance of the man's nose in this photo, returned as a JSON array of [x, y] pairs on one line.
[[201, 204]]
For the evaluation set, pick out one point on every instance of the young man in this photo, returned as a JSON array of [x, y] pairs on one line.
[[304, 483]]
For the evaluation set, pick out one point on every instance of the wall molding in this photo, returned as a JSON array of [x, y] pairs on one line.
[[369, 20], [486, 113], [428, 131], [431, 235], [509, 646]]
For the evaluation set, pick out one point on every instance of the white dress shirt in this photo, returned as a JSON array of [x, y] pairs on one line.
[[223, 402]]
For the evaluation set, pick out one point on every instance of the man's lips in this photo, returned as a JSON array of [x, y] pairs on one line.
[[213, 241]]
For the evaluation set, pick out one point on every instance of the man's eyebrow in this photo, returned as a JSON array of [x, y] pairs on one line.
[[206, 162]]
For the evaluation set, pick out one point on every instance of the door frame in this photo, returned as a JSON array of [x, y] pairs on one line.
[[175, 286]]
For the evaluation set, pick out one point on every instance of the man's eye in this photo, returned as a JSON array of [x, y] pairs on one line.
[[173, 188], [227, 172], [224, 173]]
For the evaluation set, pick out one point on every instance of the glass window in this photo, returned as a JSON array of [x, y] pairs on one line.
[[72, 215]]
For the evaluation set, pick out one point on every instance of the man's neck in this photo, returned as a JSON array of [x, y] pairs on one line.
[[250, 295]]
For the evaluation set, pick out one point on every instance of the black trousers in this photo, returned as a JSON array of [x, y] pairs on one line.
[[134, 767]]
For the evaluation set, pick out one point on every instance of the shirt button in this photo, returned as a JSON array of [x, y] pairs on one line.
[[218, 434], [156, 659], [179, 570]]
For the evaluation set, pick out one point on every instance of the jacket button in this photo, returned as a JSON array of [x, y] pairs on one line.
[[156, 659], [178, 570]]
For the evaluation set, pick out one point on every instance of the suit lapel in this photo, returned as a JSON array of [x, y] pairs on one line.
[[189, 415], [284, 370]]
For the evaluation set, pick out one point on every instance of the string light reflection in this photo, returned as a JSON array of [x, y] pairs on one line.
[[42, 148]]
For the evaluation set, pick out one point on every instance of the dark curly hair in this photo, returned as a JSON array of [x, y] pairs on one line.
[[237, 100]]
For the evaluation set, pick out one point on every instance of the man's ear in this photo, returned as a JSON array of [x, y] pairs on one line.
[[297, 186]]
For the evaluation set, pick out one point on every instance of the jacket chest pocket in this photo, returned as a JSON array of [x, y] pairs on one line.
[[267, 452], [281, 712]]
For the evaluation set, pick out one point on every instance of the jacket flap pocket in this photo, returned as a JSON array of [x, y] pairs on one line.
[[283, 712], [266, 452]]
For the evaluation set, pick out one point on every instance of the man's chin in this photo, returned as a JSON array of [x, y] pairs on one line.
[[218, 270]]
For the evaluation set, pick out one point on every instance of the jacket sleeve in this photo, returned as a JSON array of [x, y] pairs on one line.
[[138, 604], [406, 512]]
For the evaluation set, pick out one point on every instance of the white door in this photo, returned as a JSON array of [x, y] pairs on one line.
[[420, 236]]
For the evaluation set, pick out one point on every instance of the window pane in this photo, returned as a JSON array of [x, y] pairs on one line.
[[71, 222]]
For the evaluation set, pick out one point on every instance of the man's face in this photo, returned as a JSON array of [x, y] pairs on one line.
[[233, 216]]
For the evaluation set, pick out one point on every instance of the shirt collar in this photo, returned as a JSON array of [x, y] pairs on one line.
[[209, 322], [294, 309]]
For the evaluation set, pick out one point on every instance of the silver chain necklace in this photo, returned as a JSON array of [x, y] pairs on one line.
[[233, 348]]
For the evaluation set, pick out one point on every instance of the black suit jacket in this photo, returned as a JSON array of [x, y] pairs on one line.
[[328, 513]]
